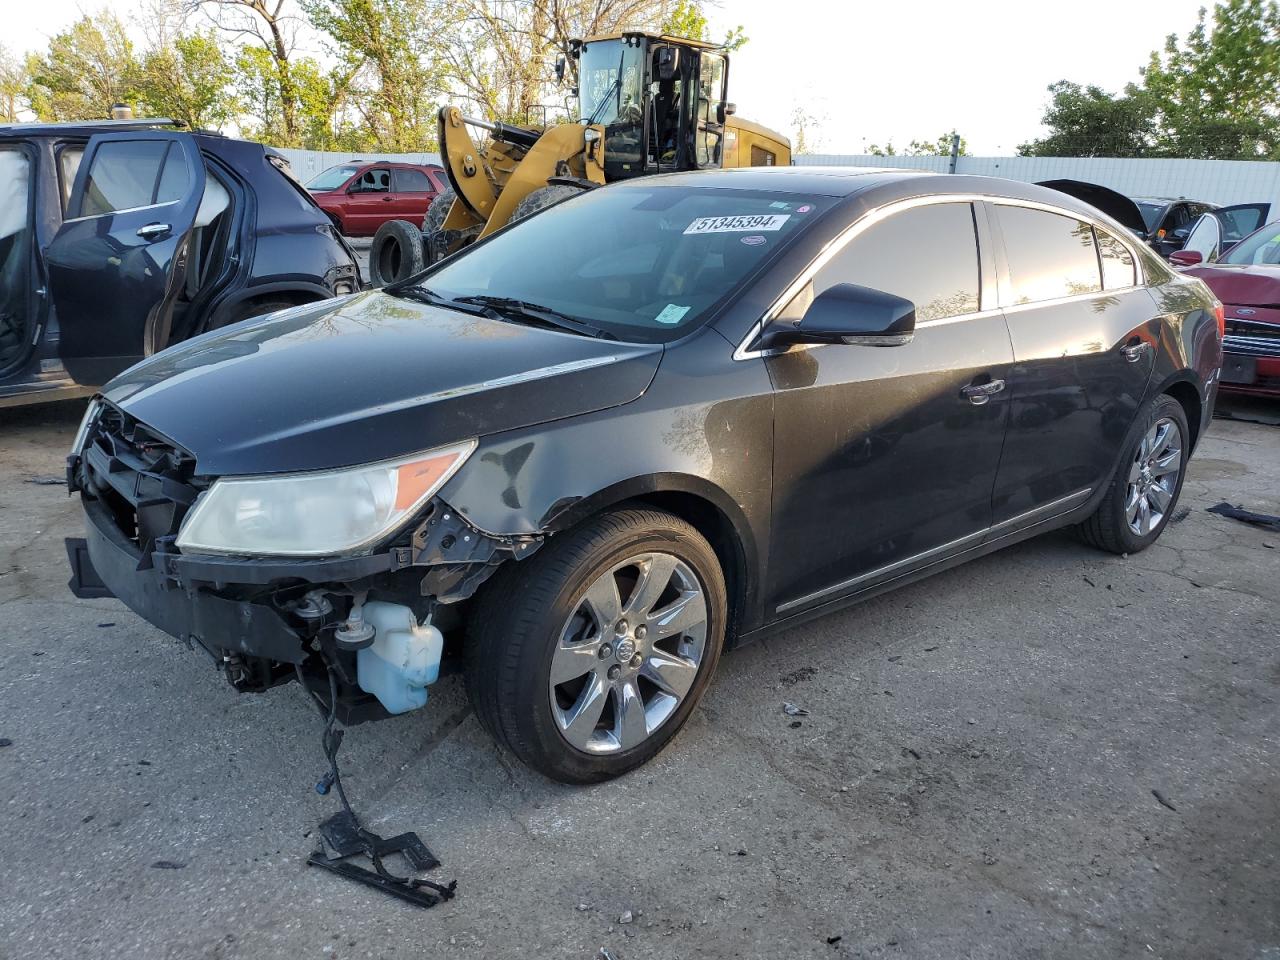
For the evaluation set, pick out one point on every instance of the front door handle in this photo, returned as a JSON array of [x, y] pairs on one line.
[[1134, 351], [153, 230], [980, 393]]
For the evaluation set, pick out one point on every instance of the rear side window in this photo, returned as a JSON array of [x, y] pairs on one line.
[[1117, 262], [373, 181], [928, 255], [1050, 256], [126, 174], [410, 181]]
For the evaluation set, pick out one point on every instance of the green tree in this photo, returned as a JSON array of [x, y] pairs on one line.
[[1216, 94], [940, 147], [13, 86], [188, 80], [1089, 122], [86, 70], [689, 19]]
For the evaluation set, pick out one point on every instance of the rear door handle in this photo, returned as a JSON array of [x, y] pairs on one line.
[[1134, 351], [153, 230], [980, 393]]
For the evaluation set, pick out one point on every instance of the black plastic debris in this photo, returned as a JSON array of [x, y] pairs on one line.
[[1163, 802], [47, 481], [5, 742], [342, 836], [168, 865], [1264, 520]]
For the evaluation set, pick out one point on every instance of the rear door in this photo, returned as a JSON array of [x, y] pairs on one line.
[[1083, 329], [119, 257], [413, 193]]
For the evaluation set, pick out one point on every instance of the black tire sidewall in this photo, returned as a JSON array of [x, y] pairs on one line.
[[547, 749], [409, 239], [1162, 407]]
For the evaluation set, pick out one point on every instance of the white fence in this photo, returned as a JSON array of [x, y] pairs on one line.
[[1216, 181]]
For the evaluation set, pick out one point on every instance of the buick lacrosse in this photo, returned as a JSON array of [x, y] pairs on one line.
[[659, 419]]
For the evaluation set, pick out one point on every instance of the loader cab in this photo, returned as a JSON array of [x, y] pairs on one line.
[[661, 101]]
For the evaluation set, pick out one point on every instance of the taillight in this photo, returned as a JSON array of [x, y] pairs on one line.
[[1220, 312]]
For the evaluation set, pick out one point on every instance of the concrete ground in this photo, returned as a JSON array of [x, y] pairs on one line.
[[1049, 752]]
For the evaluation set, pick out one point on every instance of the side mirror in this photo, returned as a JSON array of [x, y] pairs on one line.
[[668, 60], [730, 109], [1186, 258], [560, 68], [848, 313]]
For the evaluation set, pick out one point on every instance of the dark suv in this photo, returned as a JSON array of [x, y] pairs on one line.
[[118, 238]]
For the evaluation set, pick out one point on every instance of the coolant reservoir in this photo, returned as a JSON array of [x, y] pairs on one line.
[[403, 658]]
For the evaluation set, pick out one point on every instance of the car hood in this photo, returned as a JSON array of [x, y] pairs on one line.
[[1248, 285], [368, 377], [1115, 205]]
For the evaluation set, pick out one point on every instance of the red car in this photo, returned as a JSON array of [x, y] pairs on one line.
[[361, 197], [1246, 278]]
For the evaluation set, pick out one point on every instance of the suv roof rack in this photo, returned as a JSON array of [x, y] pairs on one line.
[[105, 124]]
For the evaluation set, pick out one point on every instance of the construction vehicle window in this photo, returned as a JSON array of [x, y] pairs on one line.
[[612, 95], [710, 103], [669, 257]]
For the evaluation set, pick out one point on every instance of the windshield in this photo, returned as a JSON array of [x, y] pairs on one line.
[[643, 263], [609, 83], [1151, 212], [332, 178], [1260, 247]]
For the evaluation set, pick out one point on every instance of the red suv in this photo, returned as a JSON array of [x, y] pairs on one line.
[[361, 197]]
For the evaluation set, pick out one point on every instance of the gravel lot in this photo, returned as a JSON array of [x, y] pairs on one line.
[[977, 777]]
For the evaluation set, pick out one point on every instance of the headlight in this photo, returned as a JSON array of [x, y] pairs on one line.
[[317, 514], [90, 415]]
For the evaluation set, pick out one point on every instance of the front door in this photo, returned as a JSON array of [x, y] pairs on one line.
[[1083, 333], [369, 201], [885, 456], [117, 262]]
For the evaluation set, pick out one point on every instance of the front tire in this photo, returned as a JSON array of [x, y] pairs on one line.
[[1145, 489], [586, 659]]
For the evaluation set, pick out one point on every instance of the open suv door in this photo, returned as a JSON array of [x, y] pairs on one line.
[[118, 261]]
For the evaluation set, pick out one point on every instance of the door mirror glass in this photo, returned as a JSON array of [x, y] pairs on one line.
[[668, 62], [849, 313], [560, 68]]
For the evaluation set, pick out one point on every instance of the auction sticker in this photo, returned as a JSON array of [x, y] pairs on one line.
[[754, 223]]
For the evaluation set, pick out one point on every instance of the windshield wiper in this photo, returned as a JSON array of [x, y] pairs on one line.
[[510, 306]]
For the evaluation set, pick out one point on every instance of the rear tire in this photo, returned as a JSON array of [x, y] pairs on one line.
[[625, 613], [544, 197], [436, 240], [1144, 491], [396, 253]]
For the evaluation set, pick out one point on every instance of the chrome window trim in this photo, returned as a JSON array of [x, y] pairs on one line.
[[989, 302]]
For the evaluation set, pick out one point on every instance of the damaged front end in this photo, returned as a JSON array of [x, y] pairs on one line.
[[377, 622]]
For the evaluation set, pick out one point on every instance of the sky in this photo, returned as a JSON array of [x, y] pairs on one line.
[[871, 72]]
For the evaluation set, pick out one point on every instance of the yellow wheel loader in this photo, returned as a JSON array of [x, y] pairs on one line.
[[648, 104]]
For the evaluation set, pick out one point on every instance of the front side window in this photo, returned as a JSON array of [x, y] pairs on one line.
[[928, 255], [1050, 255], [1117, 262], [124, 175], [644, 263]]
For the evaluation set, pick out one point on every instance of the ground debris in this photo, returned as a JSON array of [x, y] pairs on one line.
[[832, 941], [606, 954], [168, 865], [1180, 515], [1264, 520], [627, 917], [47, 481], [1163, 802], [791, 710], [5, 742]]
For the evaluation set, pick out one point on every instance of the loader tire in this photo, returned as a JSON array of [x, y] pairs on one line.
[[542, 198], [436, 240], [397, 253]]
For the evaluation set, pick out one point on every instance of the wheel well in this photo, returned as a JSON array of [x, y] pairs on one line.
[[712, 523], [1187, 395]]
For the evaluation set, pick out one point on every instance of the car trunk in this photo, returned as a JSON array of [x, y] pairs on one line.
[[16, 232]]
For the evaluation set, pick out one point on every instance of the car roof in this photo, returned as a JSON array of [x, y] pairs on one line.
[[86, 127], [868, 182]]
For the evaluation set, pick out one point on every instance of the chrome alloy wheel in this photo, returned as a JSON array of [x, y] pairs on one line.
[[628, 654], [1153, 476]]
